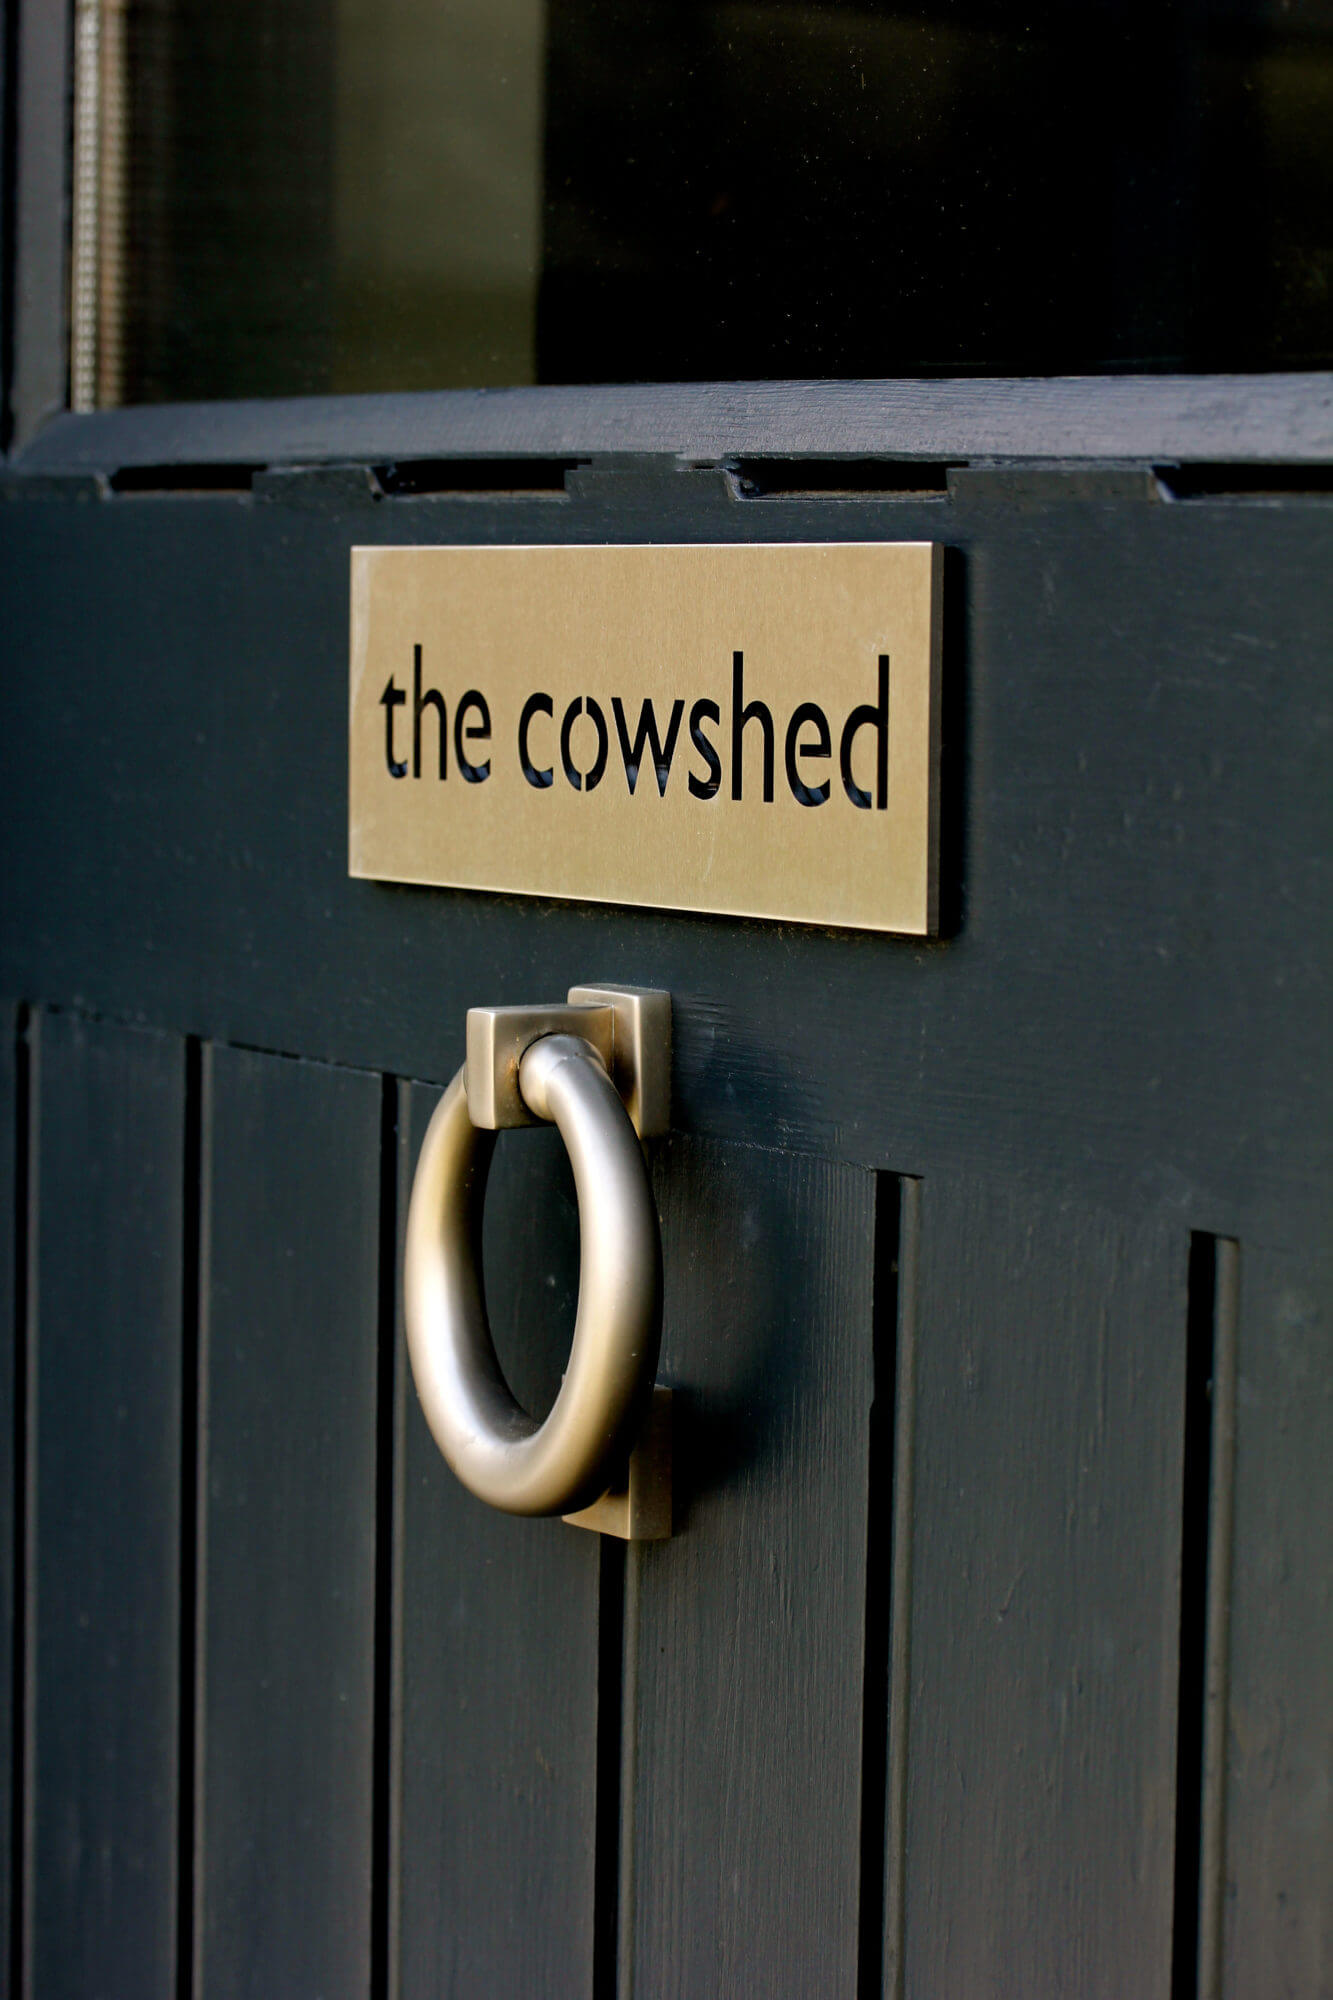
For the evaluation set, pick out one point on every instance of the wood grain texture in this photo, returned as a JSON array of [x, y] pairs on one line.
[[289, 1257], [1159, 416], [104, 1392], [1126, 1022], [1277, 1900], [897, 1723], [1140, 819], [744, 1716], [1045, 1612], [499, 1652], [9, 1163]]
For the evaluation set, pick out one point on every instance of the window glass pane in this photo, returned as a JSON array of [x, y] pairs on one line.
[[437, 192], [278, 197]]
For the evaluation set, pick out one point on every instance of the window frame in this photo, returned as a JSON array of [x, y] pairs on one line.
[[1277, 419]]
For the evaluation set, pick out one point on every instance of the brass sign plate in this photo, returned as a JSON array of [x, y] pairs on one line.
[[746, 730]]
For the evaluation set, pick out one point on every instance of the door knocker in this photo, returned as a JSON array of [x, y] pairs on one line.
[[599, 1068]]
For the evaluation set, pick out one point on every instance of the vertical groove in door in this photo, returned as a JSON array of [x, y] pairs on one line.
[[193, 1968], [629, 1772], [879, 1606], [388, 1540], [900, 1587], [191, 1222], [1217, 1660], [610, 1683], [1207, 1510], [26, 1052]]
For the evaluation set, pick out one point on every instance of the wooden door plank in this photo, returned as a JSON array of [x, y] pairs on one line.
[[13, 1147], [496, 1809], [745, 1632], [1277, 1902], [104, 1393], [289, 1331], [1050, 1352]]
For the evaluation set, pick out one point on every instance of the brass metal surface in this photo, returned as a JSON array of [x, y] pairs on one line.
[[636, 1507], [750, 730], [629, 1026], [579, 1455], [498, 1038], [640, 1061]]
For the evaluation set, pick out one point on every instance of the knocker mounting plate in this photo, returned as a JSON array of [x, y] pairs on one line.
[[629, 1026], [636, 1507]]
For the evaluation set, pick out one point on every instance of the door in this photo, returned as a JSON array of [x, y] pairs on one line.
[[989, 1653]]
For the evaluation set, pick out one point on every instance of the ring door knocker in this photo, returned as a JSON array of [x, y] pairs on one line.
[[599, 1068]]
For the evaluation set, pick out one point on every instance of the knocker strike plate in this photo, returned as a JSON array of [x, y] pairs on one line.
[[752, 731]]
